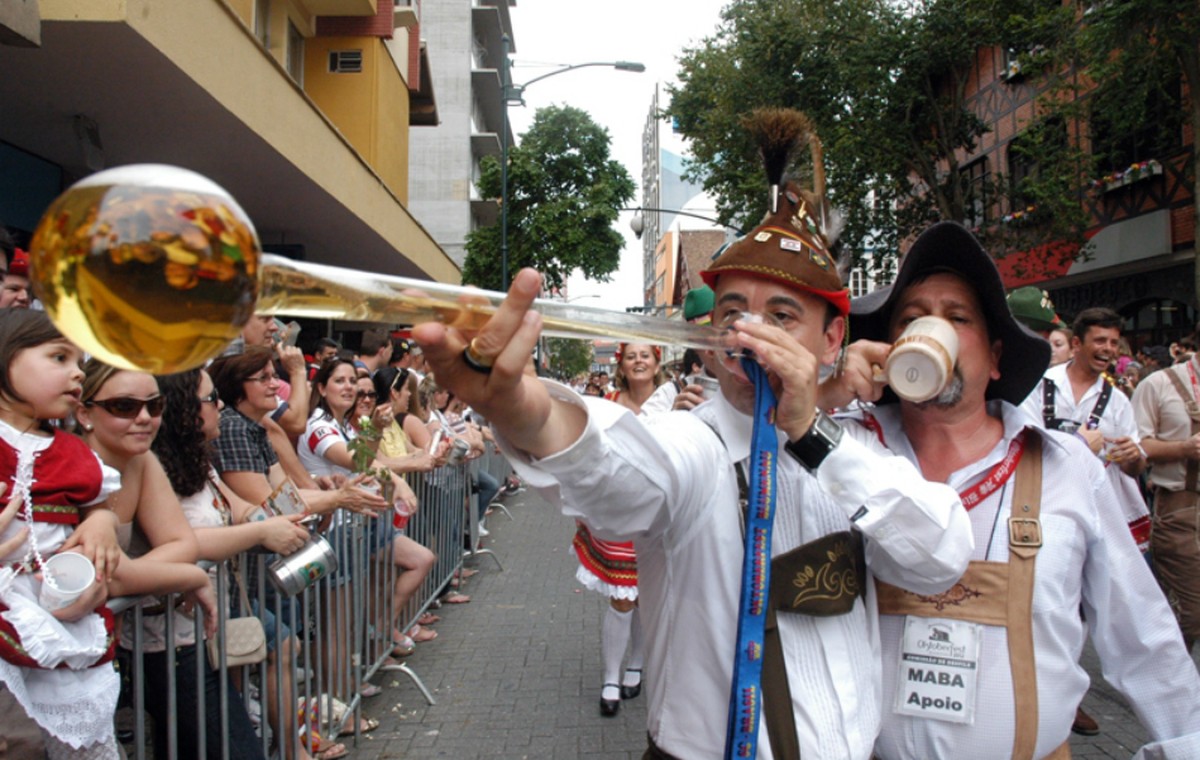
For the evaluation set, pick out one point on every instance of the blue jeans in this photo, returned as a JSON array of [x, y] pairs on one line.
[[486, 486], [244, 743]]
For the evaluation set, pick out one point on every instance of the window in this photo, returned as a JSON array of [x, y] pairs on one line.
[[1024, 154], [975, 178], [295, 53], [1127, 131], [262, 21]]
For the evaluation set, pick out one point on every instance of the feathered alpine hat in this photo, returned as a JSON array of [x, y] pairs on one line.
[[792, 243]]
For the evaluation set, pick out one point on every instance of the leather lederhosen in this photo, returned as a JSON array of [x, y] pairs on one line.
[[998, 594]]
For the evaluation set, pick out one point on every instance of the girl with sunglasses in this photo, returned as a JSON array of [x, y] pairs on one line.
[[52, 483], [120, 415]]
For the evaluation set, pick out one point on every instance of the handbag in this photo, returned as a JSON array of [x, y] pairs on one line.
[[245, 638]]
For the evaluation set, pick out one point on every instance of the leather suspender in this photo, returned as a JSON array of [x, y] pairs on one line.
[[1192, 471], [1050, 410], [1024, 540], [1000, 593]]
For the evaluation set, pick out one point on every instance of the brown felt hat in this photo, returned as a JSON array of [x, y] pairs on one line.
[[791, 245]]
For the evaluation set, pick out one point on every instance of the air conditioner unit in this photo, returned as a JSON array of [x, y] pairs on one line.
[[345, 61]]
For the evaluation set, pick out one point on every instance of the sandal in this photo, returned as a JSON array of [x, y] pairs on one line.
[[456, 598], [403, 646], [365, 726], [419, 634], [428, 619], [370, 690], [332, 753]]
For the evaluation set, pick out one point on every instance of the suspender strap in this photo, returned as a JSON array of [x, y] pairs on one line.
[[1101, 404], [777, 695], [1189, 402], [1024, 540], [998, 593], [1049, 411]]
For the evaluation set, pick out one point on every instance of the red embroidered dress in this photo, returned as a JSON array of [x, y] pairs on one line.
[[608, 567], [61, 673]]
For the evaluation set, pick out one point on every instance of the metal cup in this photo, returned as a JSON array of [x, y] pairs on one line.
[[458, 452], [303, 567]]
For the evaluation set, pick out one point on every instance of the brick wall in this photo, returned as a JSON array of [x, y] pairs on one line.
[[379, 25]]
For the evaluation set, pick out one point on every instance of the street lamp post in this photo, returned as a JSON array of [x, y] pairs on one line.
[[638, 223], [514, 93]]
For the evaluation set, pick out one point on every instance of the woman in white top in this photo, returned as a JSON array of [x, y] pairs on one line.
[[325, 449], [220, 520]]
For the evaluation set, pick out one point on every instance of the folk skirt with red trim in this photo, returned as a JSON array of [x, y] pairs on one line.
[[607, 567]]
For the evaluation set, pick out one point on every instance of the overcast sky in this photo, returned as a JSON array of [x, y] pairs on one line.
[[552, 33]]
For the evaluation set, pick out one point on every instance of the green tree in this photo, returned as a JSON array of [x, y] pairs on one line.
[[569, 357], [564, 193], [884, 83]]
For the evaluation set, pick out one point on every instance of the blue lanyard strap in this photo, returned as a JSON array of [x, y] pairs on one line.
[[745, 699]]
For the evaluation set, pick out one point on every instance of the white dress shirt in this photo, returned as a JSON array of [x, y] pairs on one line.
[[1089, 558], [668, 483]]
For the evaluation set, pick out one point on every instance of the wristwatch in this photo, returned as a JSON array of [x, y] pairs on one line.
[[811, 448]]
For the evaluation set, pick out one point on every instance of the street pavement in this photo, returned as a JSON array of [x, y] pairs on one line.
[[516, 672]]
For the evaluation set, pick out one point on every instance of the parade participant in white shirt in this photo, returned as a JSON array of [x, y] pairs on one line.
[[1080, 397], [669, 482], [1010, 685]]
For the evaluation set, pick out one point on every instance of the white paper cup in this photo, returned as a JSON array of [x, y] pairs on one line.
[[64, 579], [922, 359]]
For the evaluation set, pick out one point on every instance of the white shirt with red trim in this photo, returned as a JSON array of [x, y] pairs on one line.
[[321, 433]]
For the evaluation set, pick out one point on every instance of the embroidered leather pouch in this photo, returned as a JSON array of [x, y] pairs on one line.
[[821, 578]]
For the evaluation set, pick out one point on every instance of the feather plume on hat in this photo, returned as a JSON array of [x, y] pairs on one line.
[[792, 243]]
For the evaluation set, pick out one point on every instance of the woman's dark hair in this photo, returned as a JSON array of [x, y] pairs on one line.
[[21, 329], [181, 446], [230, 372], [386, 378], [315, 399]]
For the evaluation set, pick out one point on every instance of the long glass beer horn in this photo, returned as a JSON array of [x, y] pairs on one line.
[[303, 289], [157, 268]]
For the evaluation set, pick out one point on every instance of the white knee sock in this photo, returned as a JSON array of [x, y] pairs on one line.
[[637, 652], [614, 638]]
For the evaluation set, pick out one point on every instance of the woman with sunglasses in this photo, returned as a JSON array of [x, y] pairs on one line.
[[120, 414], [413, 561]]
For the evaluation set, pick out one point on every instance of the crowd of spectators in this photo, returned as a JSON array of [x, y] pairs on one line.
[[188, 467]]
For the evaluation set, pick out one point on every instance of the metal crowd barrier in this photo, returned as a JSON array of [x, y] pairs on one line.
[[336, 634]]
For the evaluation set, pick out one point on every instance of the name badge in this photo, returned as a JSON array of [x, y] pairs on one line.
[[939, 665]]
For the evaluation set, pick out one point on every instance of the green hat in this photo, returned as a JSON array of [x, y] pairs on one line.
[[698, 302], [1034, 309]]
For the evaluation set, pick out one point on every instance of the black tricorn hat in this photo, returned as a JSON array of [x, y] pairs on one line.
[[950, 247]]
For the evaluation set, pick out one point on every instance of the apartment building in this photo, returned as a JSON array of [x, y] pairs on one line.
[[301, 109], [466, 49]]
